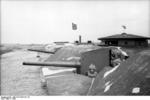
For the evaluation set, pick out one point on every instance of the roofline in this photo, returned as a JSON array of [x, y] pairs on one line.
[[123, 38]]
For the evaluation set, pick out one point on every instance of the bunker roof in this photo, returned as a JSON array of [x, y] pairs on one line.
[[123, 36]]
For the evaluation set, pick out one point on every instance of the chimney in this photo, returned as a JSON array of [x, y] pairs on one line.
[[79, 38]]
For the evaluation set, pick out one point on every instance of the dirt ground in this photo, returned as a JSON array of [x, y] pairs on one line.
[[17, 79]]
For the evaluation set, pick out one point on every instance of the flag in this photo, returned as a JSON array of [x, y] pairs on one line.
[[74, 26], [124, 27]]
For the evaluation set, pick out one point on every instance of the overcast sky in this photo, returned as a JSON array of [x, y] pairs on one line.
[[48, 21]]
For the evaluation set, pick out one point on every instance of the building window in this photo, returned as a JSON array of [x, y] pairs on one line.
[[140, 44], [125, 42], [114, 43]]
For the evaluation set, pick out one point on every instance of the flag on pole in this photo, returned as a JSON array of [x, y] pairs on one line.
[[74, 26], [124, 27]]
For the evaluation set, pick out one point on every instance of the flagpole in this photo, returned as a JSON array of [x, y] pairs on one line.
[[124, 28], [74, 27]]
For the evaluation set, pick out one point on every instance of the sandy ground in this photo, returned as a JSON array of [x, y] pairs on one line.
[[17, 79]]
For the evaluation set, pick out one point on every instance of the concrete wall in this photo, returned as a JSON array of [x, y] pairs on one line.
[[143, 43], [129, 43], [126, 43], [100, 58]]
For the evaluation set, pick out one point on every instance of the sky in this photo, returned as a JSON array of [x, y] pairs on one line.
[[37, 21]]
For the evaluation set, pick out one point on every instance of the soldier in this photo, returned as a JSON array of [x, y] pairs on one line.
[[92, 71], [118, 56]]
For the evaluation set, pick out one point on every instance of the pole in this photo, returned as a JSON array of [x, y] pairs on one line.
[[80, 39]]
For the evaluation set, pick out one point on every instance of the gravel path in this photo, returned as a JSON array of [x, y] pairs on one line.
[[17, 79]]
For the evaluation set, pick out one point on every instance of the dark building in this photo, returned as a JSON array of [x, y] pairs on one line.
[[124, 39]]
